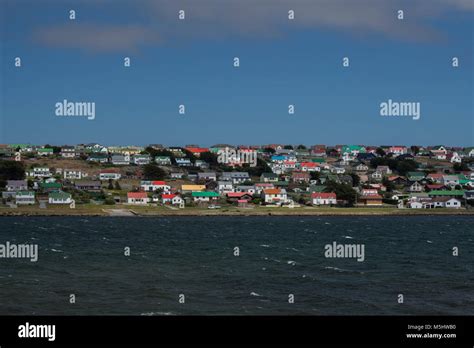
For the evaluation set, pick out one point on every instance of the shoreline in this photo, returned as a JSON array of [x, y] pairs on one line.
[[161, 211]]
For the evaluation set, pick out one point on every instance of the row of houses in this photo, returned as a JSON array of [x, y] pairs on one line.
[[350, 151], [292, 171]]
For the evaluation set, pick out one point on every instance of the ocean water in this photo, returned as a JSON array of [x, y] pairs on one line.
[[279, 256]]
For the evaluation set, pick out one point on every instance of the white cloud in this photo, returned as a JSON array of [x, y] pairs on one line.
[[100, 38], [206, 19]]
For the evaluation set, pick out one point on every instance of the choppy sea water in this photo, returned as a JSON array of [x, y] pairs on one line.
[[279, 256]]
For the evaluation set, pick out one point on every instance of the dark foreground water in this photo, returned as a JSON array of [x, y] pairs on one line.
[[279, 256]]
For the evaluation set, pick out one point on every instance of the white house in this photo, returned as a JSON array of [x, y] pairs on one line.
[[138, 198], [168, 198], [204, 196], [201, 164], [120, 160], [260, 186], [73, 174], [450, 180], [439, 152], [25, 197], [163, 160], [207, 176], [246, 188], [59, 197], [235, 177], [361, 167], [109, 175], [40, 172], [415, 187], [17, 185], [441, 202], [100, 158], [68, 152], [452, 203], [454, 158], [140, 160], [323, 198], [269, 177], [275, 196], [398, 150], [309, 167], [376, 175], [288, 165], [415, 205], [225, 186], [184, 162], [45, 152], [154, 185]]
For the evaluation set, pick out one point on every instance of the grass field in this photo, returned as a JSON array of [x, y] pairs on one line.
[[153, 210]]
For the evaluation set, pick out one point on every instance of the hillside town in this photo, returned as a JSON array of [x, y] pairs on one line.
[[247, 177]]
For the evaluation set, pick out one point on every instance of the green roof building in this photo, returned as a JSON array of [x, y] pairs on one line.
[[46, 151], [446, 193], [353, 149], [204, 194], [50, 185], [415, 176]]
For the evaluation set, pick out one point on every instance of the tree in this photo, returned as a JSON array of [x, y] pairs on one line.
[[155, 152], [388, 184], [301, 200], [414, 149], [189, 154], [380, 152], [261, 167], [301, 147], [288, 147], [159, 191], [269, 150], [117, 186], [355, 179], [460, 167], [111, 184], [56, 149], [109, 201], [11, 170], [153, 172], [405, 166], [402, 166], [209, 157], [343, 191], [315, 175]]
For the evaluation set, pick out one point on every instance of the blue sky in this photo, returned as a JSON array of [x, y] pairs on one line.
[[190, 62]]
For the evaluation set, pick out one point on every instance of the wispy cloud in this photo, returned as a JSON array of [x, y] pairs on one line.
[[207, 19], [97, 38]]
